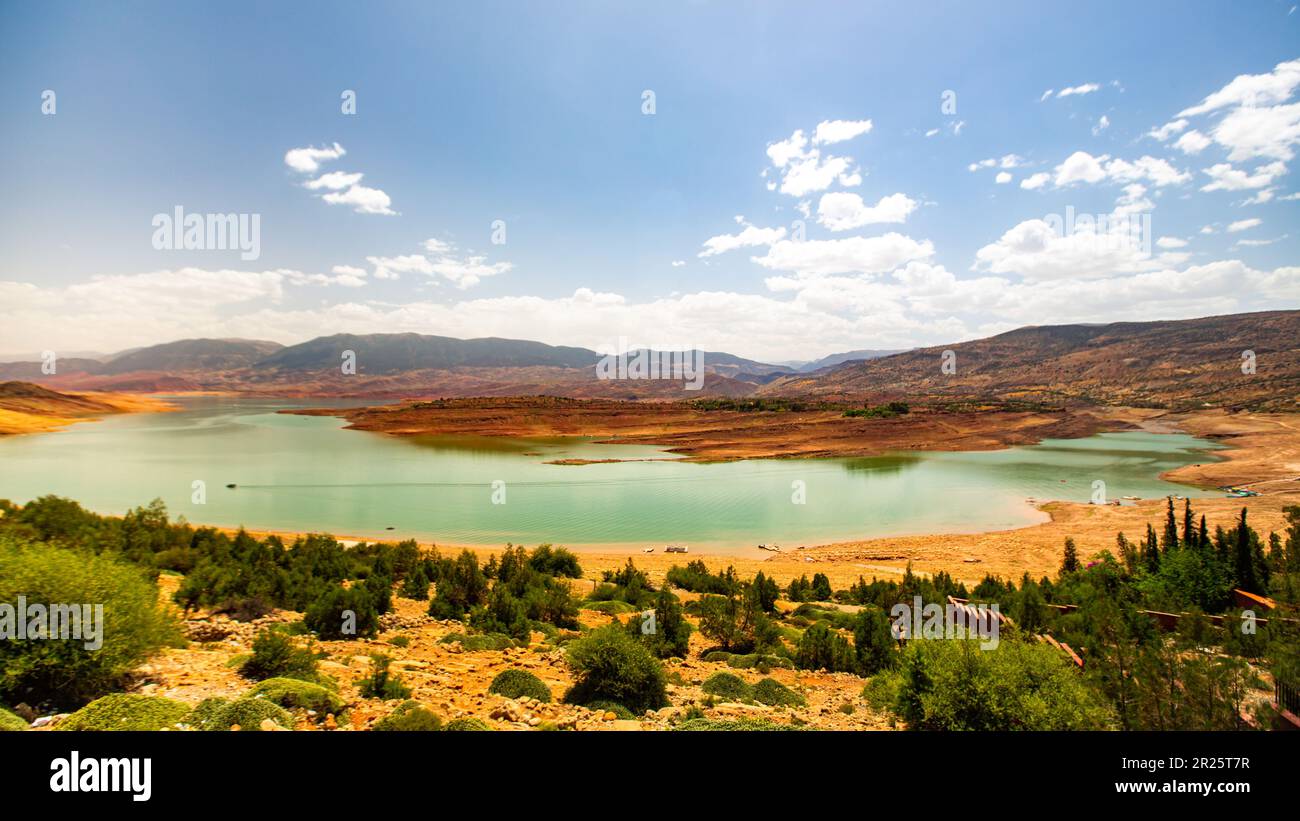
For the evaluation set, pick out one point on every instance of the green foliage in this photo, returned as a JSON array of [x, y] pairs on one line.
[[276, 656], [467, 724], [63, 671], [671, 635], [874, 645], [729, 687], [461, 587], [516, 683], [409, 716], [126, 711], [380, 683], [737, 622], [886, 411], [9, 722], [695, 577], [479, 643], [208, 714], [954, 685], [753, 725], [416, 586], [555, 561], [619, 711], [773, 693], [249, 713], [288, 692], [609, 665], [822, 648], [345, 613]]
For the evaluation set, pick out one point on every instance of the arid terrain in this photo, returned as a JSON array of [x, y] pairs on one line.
[[28, 408]]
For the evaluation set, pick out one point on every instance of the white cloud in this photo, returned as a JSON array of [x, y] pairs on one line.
[[1002, 178], [837, 131], [749, 237], [863, 255], [932, 132], [841, 211], [678, 263], [1035, 181], [1038, 250], [334, 181], [1252, 90], [1084, 167], [1271, 133], [1086, 88], [1171, 242], [394, 267], [1102, 125], [1244, 225], [307, 160], [1167, 130], [1228, 178], [362, 199], [1193, 142]]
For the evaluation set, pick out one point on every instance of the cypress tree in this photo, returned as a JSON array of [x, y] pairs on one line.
[[1189, 524], [1070, 562], [1170, 540], [1151, 550]]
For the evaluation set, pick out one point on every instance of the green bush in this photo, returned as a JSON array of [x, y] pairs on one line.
[[379, 683], [276, 656], [409, 716], [288, 692], [126, 711], [696, 725], [773, 693], [9, 722], [822, 648], [610, 665], [467, 724], [416, 586], [954, 685], [349, 613], [207, 715], [249, 713], [519, 683], [613, 607], [728, 686], [63, 671]]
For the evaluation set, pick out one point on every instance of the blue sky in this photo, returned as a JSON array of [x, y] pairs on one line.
[[531, 114]]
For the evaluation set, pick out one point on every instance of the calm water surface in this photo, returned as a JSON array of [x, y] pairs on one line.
[[303, 473]]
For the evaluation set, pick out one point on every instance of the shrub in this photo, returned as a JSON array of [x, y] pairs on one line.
[[773, 693], [10, 722], [609, 608], [207, 716], [873, 643], [341, 613], [609, 665], [467, 724], [696, 725], [821, 648], [416, 586], [717, 656], [671, 635], [276, 656], [249, 713], [728, 686], [555, 561], [519, 683], [62, 671], [461, 586], [126, 711], [409, 716], [288, 692], [380, 683], [953, 685]]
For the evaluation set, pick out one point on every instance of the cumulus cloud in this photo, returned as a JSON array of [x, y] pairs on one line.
[[1193, 142], [1082, 167], [307, 160], [343, 188], [749, 236], [1244, 225], [1086, 88], [1169, 129], [1227, 178], [803, 169], [841, 211], [1252, 90], [863, 255], [837, 131]]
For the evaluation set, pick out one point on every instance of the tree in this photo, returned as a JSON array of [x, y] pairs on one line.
[[821, 648], [1170, 539], [1070, 562], [609, 665], [672, 633], [874, 645]]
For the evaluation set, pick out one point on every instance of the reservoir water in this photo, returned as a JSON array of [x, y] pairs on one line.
[[305, 473]]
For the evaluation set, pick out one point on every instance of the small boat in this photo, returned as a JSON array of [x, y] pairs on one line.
[[676, 548], [647, 550], [771, 547], [390, 527], [1132, 498], [232, 485]]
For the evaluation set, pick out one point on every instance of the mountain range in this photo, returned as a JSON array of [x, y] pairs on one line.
[[1184, 363]]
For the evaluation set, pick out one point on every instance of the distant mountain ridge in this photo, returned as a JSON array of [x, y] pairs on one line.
[[1185, 363]]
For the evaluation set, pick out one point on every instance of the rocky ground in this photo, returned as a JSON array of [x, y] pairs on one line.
[[453, 682]]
